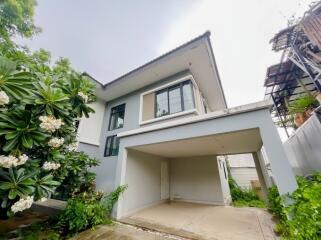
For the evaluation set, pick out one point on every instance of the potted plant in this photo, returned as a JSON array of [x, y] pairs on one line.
[[302, 108]]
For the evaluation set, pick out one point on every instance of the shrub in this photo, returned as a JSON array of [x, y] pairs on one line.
[[75, 175], [244, 197], [87, 210], [275, 203], [304, 210], [39, 105], [302, 104]]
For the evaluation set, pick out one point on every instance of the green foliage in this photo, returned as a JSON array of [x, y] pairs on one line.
[[15, 184], [87, 210], [275, 203], [36, 89], [244, 197], [16, 17], [20, 129], [251, 203], [81, 214], [109, 200], [75, 175], [15, 83], [304, 210], [302, 104]]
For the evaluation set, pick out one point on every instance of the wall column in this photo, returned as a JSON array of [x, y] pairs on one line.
[[260, 169], [281, 169], [120, 179]]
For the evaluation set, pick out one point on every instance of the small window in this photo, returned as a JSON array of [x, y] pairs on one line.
[[112, 146], [117, 116], [174, 99]]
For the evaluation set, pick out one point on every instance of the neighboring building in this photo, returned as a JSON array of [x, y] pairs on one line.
[[159, 128], [243, 169], [297, 75]]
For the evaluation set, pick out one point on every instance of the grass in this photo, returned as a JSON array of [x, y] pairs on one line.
[[251, 203]]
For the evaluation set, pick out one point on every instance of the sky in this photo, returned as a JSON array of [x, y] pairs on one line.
[[109, 38]]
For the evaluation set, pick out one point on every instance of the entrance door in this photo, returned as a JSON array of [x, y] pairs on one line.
[[164, 180]]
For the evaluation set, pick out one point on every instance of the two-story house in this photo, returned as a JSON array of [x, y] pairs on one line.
[[160, 128]]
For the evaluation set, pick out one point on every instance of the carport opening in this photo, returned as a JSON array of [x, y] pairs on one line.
[[185, 171], [246, 183]]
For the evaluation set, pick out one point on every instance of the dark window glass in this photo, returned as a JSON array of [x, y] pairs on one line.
[[117, 116], [112, 146], [174, 99], [161, 103]]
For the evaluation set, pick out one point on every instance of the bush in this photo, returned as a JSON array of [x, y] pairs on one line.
[[275, 203], [244, 197], [304, 210], [87, 210], [39, 106], [75, 176]]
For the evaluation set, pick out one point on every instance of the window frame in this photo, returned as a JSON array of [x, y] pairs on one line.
[[111, 114], [110, 153], [167, 89]]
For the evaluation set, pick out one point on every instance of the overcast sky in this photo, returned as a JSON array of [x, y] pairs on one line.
[[109, 38]]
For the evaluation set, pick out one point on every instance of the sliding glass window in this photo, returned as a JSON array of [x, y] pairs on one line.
[[174, 99], [117, 116]]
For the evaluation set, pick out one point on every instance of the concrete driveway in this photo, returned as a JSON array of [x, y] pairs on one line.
[[196, 221]]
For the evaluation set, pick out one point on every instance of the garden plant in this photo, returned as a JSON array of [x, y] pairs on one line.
[[300, 219], [40, 104]]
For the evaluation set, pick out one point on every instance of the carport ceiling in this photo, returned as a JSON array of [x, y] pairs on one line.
[[228, 143]]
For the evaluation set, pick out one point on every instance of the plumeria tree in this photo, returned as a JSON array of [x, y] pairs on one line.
[[39, 106]]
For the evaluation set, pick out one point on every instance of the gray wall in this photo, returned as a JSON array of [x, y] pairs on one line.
[[143, 177], [107, 169], [195, 179]]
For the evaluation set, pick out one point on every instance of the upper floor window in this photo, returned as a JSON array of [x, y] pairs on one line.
[[117, 116], [174, 99]]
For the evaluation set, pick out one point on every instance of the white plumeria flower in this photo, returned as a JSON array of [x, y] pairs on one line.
[[56, 142], [22, 159], [83, 96], [50, 123], [12, 161], [50, 166], [22, 204], [4, 98], [72, 147], [43, 199]]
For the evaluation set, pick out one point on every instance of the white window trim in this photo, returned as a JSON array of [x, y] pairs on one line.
[[194, 110]]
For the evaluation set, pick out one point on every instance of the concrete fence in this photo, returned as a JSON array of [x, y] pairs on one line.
[[303, 148]]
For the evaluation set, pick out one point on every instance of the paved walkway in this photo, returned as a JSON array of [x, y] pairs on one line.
[[195, 221], [123, 232]]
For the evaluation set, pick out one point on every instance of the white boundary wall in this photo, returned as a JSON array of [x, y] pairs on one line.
[[304, 147]]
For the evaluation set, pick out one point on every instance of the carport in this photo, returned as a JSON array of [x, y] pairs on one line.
[[177, 160]]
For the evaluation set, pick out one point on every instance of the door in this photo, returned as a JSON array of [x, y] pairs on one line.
[[164, 180]]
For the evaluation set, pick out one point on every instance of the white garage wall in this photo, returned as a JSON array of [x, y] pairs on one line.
[[195, 179], [143, 177], [90, 128]]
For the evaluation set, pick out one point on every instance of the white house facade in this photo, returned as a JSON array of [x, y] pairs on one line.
[[160, 128]]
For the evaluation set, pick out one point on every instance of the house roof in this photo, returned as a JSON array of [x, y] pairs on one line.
[[195, 55]]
